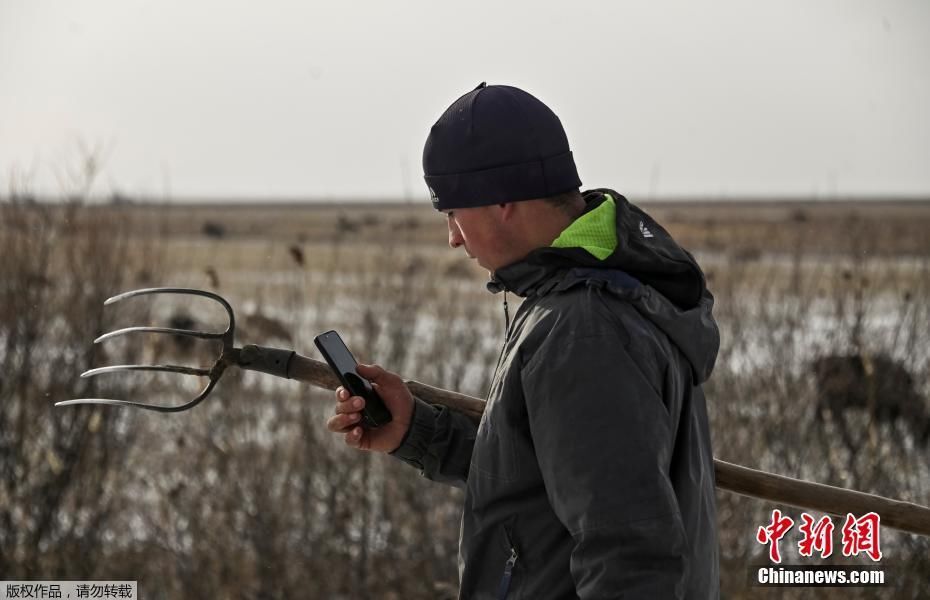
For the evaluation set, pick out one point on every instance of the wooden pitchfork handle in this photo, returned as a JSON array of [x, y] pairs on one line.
[[905, 516]]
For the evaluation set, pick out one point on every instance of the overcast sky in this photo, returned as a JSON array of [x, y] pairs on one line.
[[219, 98]]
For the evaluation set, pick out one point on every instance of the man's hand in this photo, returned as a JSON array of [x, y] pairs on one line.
[[398, 400]]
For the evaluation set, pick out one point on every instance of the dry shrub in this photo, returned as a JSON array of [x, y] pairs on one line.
[[60, 481], [781, 316]]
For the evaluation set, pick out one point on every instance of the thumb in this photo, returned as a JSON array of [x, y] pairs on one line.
[[374, 373], [381, 377]]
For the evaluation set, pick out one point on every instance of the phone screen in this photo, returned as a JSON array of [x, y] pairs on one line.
[[341, 361], [338, 353]]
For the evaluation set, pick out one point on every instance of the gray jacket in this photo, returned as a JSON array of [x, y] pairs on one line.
[[591, 473]]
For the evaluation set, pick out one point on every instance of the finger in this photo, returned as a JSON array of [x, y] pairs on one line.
[[353, 405], [343, 423], [342, 394], [336, 425], [354, 437]]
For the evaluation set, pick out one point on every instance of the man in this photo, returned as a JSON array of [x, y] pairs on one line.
[[591, 474]]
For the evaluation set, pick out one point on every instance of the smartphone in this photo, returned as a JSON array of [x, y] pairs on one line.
[[340, 360]]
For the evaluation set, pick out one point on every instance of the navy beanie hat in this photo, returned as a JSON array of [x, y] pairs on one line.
[[497, 144]]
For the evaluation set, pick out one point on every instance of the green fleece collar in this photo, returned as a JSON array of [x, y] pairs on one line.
[[595, 231]]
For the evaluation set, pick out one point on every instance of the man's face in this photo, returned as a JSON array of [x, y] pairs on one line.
[[481, 232]]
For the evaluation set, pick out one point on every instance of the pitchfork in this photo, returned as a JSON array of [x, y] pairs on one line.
[[273, 361], [290, 365]]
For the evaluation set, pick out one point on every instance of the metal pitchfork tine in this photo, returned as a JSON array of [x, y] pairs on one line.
[[214, 373], [273, 361]]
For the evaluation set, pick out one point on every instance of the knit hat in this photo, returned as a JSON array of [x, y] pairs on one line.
[[497, 144]]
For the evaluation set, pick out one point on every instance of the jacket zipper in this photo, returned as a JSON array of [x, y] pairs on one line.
[[507, 332], [508, 573], [503, 345]]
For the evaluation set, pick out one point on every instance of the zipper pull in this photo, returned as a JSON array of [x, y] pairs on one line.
[[511, 561], [508, 573]]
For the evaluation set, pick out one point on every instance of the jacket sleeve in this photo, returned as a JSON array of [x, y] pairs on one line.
[[604, 439], [439, 443]]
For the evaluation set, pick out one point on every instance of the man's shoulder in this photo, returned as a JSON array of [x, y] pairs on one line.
[[558, 318], [590, 299], [617, 281], [596, 303]]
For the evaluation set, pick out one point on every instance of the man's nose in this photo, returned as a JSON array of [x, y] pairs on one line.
[[455, 236]]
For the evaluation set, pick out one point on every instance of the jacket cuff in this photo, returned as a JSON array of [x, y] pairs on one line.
[[419, 435]]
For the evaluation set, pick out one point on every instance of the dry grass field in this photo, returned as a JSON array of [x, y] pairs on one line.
[[895, 227], [247, 496]]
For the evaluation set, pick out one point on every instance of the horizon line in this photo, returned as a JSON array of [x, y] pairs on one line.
[[119, 199]]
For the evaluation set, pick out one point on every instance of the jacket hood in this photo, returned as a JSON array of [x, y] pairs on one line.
[[659, 277]]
